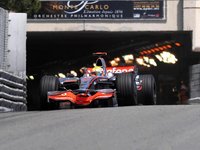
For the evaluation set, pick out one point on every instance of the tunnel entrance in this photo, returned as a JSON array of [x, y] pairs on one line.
[[60, 52]]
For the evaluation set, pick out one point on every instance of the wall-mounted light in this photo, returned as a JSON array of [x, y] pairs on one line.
[[73, 72], [61, 75], [31, 77]]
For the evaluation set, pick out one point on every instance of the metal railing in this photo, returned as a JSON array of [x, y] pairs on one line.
[[4, 38]]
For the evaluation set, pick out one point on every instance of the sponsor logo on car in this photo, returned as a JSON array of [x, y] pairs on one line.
[[117, 69]]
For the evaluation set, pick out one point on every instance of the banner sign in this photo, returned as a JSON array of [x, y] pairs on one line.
[[100, 10]]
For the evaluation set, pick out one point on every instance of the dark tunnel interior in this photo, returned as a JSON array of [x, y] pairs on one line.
[[69, 49]]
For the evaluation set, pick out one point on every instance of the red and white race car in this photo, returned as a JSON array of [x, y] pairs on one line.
[[114, 86]]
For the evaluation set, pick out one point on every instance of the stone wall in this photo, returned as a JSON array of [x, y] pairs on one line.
[[195, 83]]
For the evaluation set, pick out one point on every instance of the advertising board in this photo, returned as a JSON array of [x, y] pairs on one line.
[[100, 10]]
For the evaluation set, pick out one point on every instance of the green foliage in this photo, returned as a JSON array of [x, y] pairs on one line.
[[25, 6]]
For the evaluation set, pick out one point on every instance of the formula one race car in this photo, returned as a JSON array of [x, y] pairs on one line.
[[98, 87]]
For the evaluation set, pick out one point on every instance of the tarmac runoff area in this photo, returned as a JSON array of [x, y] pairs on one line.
[[172, 127]]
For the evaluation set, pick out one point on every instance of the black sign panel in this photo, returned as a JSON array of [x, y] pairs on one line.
[[148, 9], [100, 10]]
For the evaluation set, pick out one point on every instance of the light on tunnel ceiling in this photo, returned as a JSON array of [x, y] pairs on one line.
[[152, 62], [156, 49], [113, 63], [61, 75], [146, 59], [159, 58], [31, 77], [172, 59], [117, 59], [165, 55], [152, 50], [145, 52], [128, 58], [160, 48], [178, 44], [142, 53], [146, 65], [168, 57], [169, 46], [164, 47], [149, 51], [73, 72], [140, 61]]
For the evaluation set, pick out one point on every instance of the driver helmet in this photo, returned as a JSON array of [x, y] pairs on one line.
[[98, 70]]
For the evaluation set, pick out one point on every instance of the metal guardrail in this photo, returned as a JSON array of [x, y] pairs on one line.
[[4, 38], [12, 92]]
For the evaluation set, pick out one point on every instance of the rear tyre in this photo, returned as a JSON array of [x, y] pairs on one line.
[[126, 89], [48, 83], [147, 96]]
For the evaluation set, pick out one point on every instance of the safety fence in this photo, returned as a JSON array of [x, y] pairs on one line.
[[12, 92]]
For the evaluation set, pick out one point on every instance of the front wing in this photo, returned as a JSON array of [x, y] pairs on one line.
[[83, 98]]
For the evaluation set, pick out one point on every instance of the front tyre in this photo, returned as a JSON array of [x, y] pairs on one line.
[[48, 83]]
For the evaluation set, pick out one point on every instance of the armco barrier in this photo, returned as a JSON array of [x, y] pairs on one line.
[[12, 92]]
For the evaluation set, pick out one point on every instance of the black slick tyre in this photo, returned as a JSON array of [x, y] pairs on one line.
[[126, 89], [147, 96], [48, 83]]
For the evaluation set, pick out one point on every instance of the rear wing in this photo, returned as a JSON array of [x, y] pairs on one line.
[[117, 69], [100, 54]]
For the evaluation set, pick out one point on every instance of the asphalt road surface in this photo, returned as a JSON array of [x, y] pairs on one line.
[[122, 128]]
